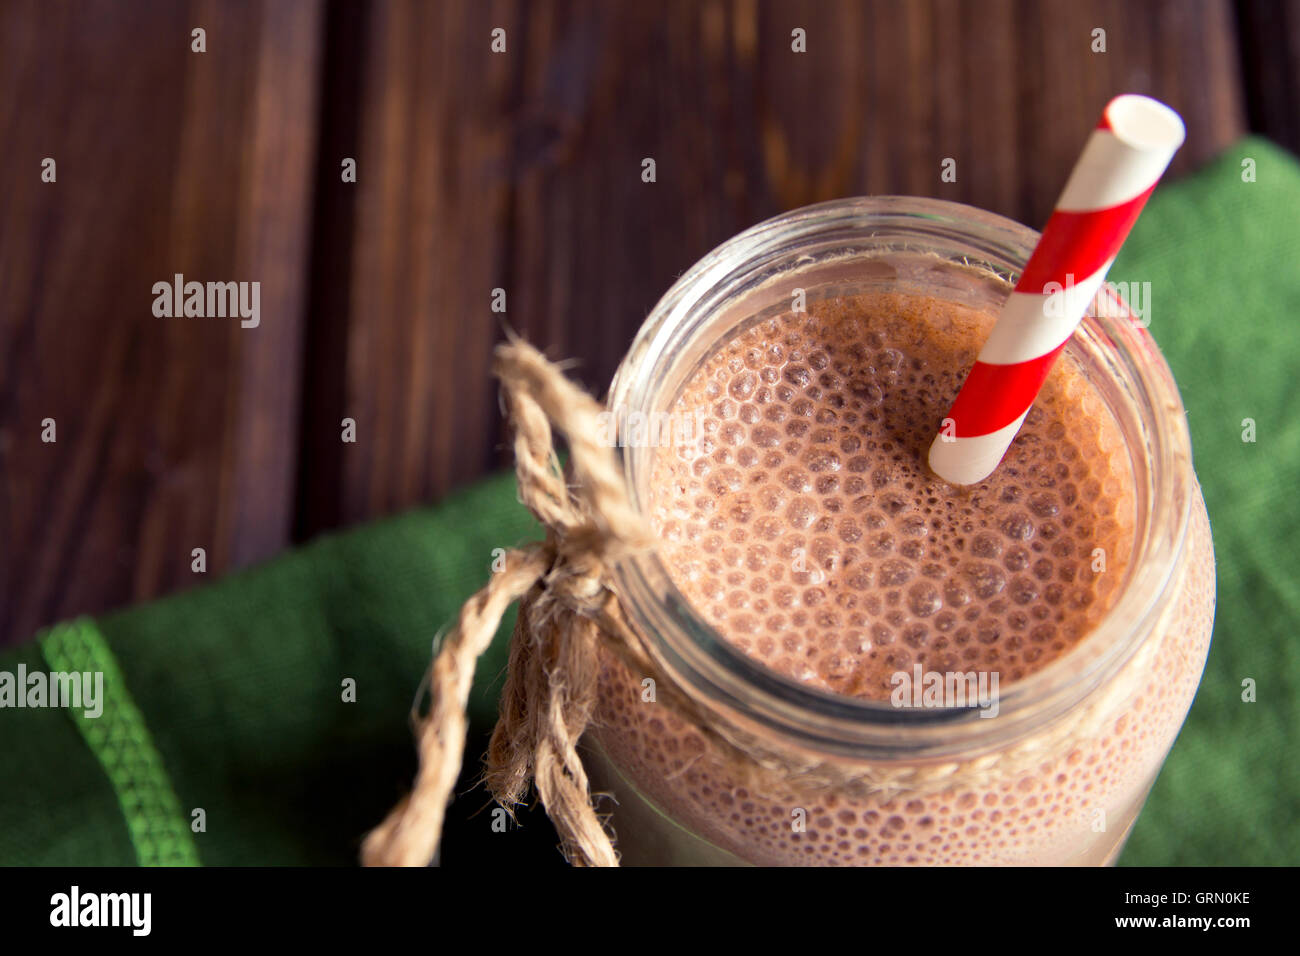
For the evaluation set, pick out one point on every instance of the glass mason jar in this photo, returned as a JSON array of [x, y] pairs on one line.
[[1060, 773]]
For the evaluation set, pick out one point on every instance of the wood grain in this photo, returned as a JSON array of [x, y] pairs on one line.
[[172, 434], [1270, 50], [476, 170], [412, 288]]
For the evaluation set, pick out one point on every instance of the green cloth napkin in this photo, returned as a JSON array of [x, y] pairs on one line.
[[240, 686], [229, 704]]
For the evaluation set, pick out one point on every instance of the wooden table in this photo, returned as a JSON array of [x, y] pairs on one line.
[[476, 170]]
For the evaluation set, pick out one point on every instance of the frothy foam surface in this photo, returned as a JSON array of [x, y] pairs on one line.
[[805, 526]]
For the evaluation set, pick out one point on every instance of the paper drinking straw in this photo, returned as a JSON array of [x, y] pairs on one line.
[[1118, 170]]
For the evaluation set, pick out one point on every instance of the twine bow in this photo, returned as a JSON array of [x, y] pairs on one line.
[[550, 689]]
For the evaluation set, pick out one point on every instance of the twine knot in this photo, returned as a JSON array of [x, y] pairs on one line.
[[563, 582]]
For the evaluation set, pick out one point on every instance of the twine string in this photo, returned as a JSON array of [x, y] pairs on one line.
[[550, 689]]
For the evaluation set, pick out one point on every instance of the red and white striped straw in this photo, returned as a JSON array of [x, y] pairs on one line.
[[1117, 172]]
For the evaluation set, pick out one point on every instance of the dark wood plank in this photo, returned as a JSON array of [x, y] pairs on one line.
[[1270, 54], [172, 433], [432, 133]]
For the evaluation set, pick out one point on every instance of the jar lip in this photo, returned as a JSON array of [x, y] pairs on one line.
[[697, 656]]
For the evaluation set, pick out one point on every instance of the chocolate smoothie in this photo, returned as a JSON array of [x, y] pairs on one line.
[[804, 525]]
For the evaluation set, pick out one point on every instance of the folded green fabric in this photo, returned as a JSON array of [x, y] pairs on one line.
[[272, 707], [241, 688]]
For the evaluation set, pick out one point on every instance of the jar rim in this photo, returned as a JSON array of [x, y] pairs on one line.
[[699, 659]]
